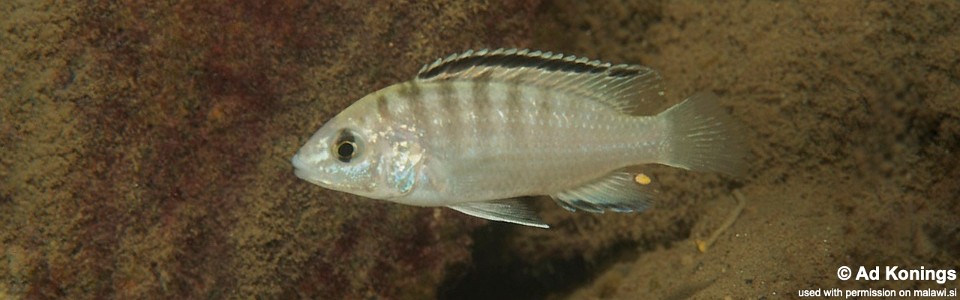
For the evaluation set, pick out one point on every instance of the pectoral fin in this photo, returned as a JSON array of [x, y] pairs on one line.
[[507, 210]]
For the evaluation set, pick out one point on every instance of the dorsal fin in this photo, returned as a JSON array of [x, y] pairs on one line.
[[624, 87]]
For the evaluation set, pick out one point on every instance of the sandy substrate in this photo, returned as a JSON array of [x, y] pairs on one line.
[[853, 113]]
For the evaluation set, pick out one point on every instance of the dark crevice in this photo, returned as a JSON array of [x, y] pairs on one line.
[[498, 272]]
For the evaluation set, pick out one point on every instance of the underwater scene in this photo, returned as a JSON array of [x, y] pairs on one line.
[[503, 149]]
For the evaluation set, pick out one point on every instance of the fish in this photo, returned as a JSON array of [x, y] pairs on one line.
[[482, 131]]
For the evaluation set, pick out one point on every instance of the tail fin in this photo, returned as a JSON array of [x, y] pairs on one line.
[[702, 136]]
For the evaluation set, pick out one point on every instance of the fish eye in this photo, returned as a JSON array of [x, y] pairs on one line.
[[345, 151], [346, 147]]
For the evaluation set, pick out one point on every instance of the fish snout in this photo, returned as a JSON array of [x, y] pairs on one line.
[[300, 167], [303, 171], [298, 162]]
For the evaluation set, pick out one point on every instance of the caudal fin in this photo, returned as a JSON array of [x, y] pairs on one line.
[[702, 136]]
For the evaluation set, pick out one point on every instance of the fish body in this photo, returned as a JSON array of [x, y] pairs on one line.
[[477, 130]]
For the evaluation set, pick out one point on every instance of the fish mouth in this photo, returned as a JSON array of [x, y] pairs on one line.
[[302, 170]]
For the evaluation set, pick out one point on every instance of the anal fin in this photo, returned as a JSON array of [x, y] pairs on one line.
[[507, 210], [619, 191]]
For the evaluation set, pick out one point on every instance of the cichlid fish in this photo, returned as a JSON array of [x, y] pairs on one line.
[[477, 130]]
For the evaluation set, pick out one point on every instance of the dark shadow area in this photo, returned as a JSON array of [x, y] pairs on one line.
[[496, 273]]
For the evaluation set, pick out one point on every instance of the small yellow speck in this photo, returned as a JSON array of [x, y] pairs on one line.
[[642, 179], [702, 246]]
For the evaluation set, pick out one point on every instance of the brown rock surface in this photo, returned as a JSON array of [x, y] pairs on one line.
[[146, 150], [146, 145]]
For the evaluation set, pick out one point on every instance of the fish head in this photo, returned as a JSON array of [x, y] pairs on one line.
[[361, 153]]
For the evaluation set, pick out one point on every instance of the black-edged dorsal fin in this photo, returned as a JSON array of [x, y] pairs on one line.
[[623, 87]]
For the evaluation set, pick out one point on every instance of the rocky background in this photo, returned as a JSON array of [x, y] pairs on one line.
[[145, 150], [146, 147]]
